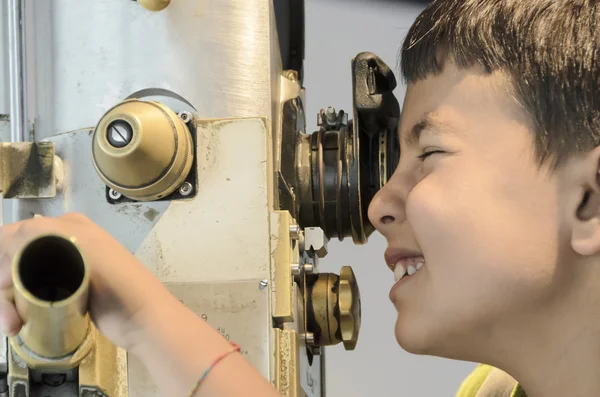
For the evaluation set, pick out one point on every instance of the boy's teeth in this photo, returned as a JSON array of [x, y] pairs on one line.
[[407, 267], [399, 272]]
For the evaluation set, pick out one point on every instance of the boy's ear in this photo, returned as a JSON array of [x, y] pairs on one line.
[[585, 238]]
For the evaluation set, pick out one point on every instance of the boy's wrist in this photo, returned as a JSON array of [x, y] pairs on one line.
[[147, 323], [175, 345]]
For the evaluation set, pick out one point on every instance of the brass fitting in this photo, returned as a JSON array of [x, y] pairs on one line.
[[333, 308], [51, 283], [142, 150], [154, 5]]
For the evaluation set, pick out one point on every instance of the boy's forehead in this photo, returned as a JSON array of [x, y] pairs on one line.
[[431, 122], [440, 101]]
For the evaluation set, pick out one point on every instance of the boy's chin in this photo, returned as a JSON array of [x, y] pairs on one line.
[[426, 339], [436, 339], [413, 338]]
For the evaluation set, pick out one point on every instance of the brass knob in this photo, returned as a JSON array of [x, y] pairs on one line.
[[333, 308], [154, 5], [142, 150], [349, 302]]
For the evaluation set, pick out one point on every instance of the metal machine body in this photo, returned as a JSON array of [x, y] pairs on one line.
[[179, 128]]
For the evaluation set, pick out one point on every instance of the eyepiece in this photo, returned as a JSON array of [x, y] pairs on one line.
[[51, 269], [345, 163], [51, 280]]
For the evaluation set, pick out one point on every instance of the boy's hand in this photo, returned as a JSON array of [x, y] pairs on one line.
[[123, 293]]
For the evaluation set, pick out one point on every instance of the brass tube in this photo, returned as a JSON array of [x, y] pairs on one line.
[[51, 284]]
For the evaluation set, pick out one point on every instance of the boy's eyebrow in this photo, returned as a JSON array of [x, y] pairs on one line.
[[428, 121]]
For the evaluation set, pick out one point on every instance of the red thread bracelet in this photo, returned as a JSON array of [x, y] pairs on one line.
[[236, 348]]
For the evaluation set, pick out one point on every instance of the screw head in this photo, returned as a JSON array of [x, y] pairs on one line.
[[186, 117], [119, 133], [113, 194], [263, 284], [186, 189]]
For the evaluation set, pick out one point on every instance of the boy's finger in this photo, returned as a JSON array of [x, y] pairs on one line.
[[10, 322], [6, 281]]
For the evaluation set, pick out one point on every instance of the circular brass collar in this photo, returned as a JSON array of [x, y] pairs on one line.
[[155, 161]]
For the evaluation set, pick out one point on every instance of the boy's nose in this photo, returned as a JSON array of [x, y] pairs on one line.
[[386, 210]]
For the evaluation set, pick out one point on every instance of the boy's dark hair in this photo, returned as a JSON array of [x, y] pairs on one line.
[[550, 48]]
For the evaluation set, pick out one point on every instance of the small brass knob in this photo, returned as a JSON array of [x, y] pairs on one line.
[[142, 150], [333, 308], [154, 5]]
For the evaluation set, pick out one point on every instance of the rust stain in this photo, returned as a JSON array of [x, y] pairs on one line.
[[27, 169], [151, 214]]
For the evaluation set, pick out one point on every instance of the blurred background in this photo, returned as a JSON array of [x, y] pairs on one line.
[[337, 30]]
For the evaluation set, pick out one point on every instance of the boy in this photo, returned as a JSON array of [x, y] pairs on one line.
[[496, 198], [492, 217]]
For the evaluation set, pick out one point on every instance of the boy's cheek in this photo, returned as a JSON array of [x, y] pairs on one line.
[[482, 263]]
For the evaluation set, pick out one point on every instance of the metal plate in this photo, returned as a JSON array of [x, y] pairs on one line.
[[221, 55], [238, 310], [223, 233], [212, 251]]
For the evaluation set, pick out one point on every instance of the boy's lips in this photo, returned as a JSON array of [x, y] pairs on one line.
[[395, 255], [404, 262]]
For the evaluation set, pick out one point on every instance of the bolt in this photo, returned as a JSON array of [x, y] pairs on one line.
[[186, 189], [295, 269], [308, 268], [309, 337], [331, 116], [263, 284], [120, 133], [113, 194], [295, 231], [185, 116]]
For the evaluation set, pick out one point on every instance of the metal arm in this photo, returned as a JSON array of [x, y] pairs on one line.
[[17, 70]]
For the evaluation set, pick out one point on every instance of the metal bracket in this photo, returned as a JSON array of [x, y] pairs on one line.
[[29, 170]]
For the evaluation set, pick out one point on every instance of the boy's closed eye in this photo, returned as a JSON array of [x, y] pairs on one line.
[[428, 153]]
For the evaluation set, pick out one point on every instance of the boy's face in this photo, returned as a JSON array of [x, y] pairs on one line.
[[480, 210]]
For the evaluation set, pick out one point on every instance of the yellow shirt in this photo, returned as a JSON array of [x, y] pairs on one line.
[[486, 381]]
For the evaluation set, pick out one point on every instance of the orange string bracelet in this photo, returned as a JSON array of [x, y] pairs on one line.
[[236, 348]]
